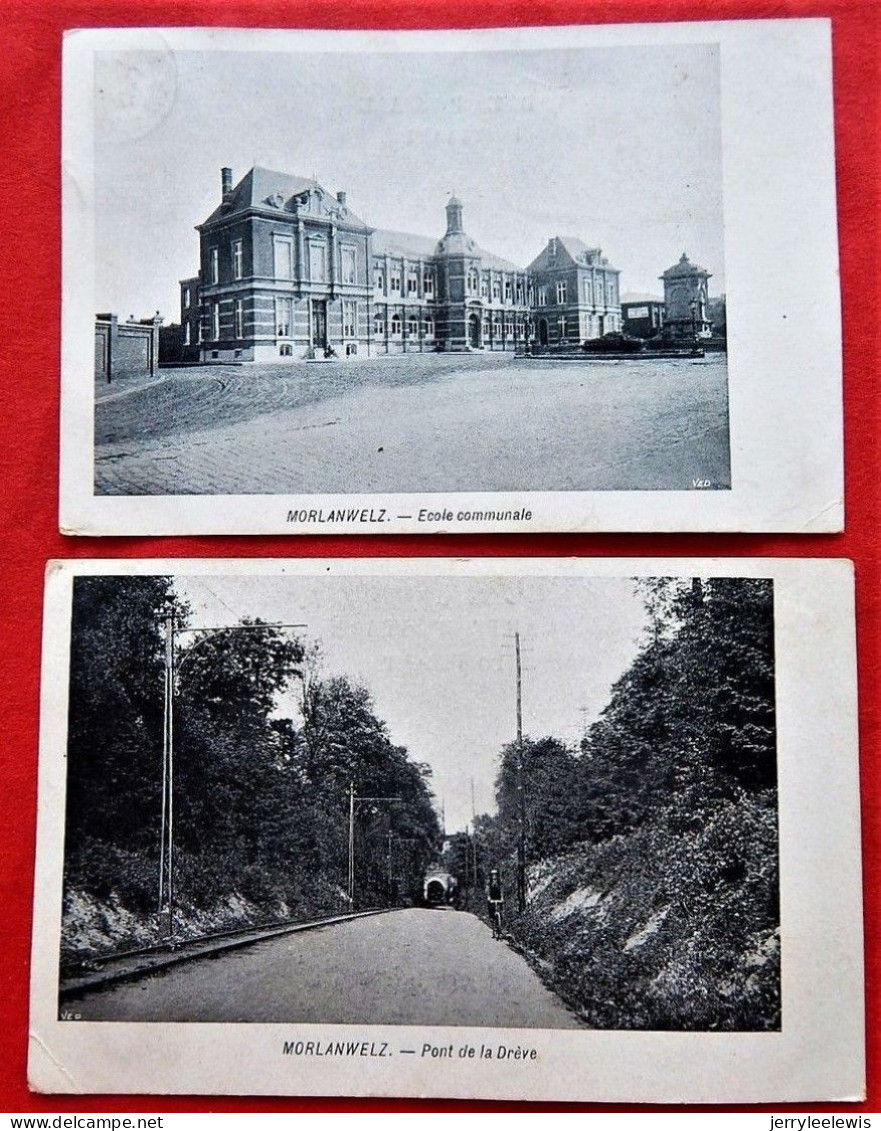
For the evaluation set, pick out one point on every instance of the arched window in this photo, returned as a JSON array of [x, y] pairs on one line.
[[472, 281], [396, 325], [379, 323], [413, 326], [285, 350]]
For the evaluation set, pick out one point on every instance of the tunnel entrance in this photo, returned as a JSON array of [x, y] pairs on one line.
[[435, 892]]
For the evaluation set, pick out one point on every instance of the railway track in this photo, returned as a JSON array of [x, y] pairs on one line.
[[93, 973]]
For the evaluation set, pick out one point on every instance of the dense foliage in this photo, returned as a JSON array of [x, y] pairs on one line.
[[652, 849], [261, 802]]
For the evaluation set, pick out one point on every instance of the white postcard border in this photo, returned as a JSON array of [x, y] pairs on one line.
[[782, 283], [819, 1053]]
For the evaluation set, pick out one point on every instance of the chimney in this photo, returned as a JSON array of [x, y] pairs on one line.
[[341, 197], [225, 180]]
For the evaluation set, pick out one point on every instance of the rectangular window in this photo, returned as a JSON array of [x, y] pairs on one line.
[[412, 283], [588, 290], [395, 282], [283, 257], [350, 320], [561, 293], [563, 328], [283, 317], [240, 318], [349, 263], [379, 280], [186, 333], [215, 320], [497, 289], [484, 286], [186, 298], [509, 293], [611, 292], [542, 296], [428, 283], [237, 259], [214, 265], [317, 262]]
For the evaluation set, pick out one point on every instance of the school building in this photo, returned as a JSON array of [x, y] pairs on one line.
[[289, 271]]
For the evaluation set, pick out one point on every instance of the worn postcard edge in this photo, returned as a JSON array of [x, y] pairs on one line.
[[818, 1054]]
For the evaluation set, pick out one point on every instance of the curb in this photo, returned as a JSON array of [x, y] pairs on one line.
[[162, 961]]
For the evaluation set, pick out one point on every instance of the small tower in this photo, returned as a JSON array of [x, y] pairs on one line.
[[460, 319], [686, 300], [454, 216]]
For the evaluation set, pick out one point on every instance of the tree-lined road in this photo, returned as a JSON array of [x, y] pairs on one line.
[[408, 967]]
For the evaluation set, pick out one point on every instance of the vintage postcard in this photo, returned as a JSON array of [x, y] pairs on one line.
[[524, 829], [573, 278]]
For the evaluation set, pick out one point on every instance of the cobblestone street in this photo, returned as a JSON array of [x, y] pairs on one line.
[[418, 423]]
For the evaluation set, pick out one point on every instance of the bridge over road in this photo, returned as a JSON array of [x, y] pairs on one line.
[[415, 966]]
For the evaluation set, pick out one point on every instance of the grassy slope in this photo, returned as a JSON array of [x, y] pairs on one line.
[[671, 926]]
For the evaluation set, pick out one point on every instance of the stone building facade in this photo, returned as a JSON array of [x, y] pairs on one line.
[[288, 271], [573, 293], [686, 300]]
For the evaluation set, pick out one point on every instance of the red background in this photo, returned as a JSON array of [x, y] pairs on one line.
[[30, 66]]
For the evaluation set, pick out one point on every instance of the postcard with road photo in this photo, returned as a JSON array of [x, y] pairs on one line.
[[506, 280], [523, 829]]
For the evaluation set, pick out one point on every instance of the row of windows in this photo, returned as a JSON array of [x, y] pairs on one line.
[[477, 283], [394, 279], [284, 322], [283, 262], [396, 324], [589, 293]]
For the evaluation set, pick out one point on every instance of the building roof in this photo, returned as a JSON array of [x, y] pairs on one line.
[[269, 190], [574, 249], [636, 296], [388, 242], [684, 268]]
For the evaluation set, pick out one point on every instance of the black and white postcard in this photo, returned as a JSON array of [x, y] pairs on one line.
[[577, 278], [523, 829]]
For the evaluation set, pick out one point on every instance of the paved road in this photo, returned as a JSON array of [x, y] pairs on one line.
[[412, 967], [436, 424]]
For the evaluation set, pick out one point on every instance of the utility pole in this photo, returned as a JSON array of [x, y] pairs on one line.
[[351, 884], [521, 796], [172, 673], [473, 834], [353, 799]]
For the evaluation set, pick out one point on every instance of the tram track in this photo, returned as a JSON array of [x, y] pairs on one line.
[[96, 972]]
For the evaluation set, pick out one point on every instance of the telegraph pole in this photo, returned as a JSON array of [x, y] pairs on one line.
[[172, 672], [351, 884], [474, 833], [521, 796], [353, 799]]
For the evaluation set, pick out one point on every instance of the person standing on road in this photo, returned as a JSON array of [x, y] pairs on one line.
[[495, 897]]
